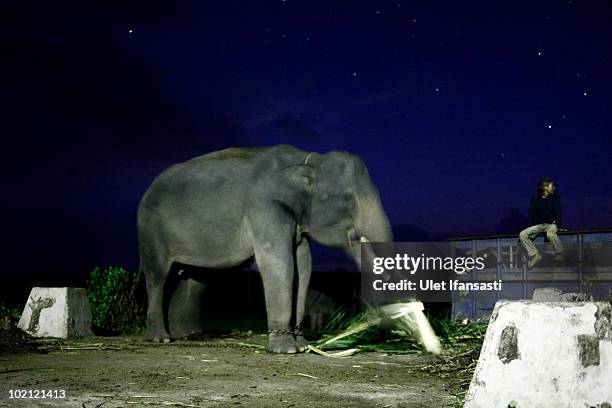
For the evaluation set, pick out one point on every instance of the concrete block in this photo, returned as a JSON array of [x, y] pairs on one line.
[[545, 354], [56, 312]]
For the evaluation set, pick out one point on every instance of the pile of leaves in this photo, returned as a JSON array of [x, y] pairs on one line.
[[463, 341], [14, 340], [116, 306]]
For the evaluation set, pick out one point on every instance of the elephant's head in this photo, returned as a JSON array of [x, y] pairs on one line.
[[345, 207]]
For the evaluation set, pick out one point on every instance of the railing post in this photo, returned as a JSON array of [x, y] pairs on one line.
[[580, 257], [453, 296], [499, 264], [524, 264], [473, 292]]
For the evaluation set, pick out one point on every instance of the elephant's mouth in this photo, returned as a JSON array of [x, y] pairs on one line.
[[353, 240]]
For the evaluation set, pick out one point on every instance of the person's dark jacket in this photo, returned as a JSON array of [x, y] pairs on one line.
[[544, 210]]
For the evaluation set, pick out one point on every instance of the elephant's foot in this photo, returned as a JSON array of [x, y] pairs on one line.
[[282, 341], [300, 341], [157, 336]]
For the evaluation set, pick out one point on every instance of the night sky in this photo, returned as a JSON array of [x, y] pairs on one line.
[[457, 108]]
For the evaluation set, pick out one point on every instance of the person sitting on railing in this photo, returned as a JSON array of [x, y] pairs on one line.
[[544, 216]]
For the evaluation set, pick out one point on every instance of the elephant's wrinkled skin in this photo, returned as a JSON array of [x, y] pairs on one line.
[[221, 209]]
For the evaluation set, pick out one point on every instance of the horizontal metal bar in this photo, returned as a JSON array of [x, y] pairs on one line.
[[574, 232]]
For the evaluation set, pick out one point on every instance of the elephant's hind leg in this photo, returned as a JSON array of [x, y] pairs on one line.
[[156, 276]]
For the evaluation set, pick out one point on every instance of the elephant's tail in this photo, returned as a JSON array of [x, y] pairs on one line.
[[140, 277], [140, 280]]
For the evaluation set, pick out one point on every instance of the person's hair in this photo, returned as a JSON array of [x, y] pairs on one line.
[[544, 181]]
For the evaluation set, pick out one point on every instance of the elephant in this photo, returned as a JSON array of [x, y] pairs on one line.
[[265, 204]]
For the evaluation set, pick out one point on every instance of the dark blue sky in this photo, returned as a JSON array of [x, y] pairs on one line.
[[457, 108]]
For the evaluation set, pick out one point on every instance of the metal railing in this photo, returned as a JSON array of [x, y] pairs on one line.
[[583, 270]]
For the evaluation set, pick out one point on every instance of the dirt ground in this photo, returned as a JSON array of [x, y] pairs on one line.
[[217, 372]]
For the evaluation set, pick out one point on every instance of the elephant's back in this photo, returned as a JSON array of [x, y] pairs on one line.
[[220, 178], [230, 161], [233, 153], [217, 175]]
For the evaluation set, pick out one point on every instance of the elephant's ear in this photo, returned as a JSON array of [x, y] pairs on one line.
[[301, 176], [295, 187]]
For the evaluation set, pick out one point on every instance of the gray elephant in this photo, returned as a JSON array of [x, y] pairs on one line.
[[227, 207]]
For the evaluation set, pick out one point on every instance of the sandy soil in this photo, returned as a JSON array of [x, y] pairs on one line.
[[218, 372]]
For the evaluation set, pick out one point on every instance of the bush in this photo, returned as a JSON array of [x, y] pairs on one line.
[[9, 316], [12, 312], [115, 307]]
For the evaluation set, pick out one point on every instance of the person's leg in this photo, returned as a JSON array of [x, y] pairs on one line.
[[551, 234], [527, 234], [526, 237]]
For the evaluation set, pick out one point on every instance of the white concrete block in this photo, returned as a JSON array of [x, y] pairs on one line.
[[545, 354], [56, 312]]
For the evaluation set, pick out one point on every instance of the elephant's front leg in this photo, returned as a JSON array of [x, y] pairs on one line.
[[304, 266], [275, 260]]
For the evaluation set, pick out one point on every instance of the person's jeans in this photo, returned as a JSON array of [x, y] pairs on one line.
[[529, 233]]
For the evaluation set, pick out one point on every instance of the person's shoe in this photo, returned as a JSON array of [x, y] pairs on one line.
[[534, 260]]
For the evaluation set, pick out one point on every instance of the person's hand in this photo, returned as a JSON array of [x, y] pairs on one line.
[[562, 229]]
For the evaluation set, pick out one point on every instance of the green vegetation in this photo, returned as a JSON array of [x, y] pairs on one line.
[[115, 305], [12, 312], [461, 342], [374, 338], [390, 340]]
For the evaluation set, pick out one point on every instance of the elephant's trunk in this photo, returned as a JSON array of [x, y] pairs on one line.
[[371, 221], [371, 225]]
